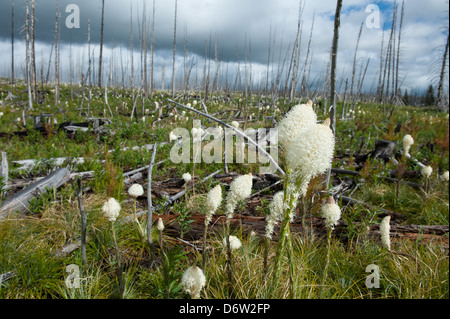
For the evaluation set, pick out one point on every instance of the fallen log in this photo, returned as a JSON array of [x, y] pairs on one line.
[[20, 201], [315, 224], [383, 150], [386, 178], [4, 171], [29, 164]]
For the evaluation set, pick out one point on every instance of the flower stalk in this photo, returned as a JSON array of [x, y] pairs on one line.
[[213, 200]]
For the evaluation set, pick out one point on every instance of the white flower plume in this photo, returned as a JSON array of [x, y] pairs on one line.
[[426, 171], [235, 124], [187, 177], [192, 281], [111, 209], [213, 200], [407, 142], [136, 190], [276, 208], [331, 212], [160, 225], [384, 230], [312, 153], [235, 243], [240, 189], [296, 120]]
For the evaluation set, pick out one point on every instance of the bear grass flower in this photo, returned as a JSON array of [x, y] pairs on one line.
[[444, 176], [308, 149], [187, 177], [160, 225], [276, 208], [235, 124], [407, 142], [213, 200], [111, 209], [331, 212], [192, 281], [426, 171], [312, 153], [296, 120], [240, 189], [235, 243], [136, 190], [172, 137], [384, 230]]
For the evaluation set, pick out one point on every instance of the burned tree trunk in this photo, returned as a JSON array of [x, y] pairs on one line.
[[20, 202], [101, 46]]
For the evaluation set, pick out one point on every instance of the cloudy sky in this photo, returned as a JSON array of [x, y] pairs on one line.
[[234, 23]]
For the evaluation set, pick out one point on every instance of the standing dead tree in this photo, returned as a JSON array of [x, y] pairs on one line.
[[101, 45], [33, 51], [27, 40], [334, 49], [402, 14], [174, 49], [145, 47], [440, 96], [296, 55], [56, 56], [304, 83], [152, 49], [354, 61], [12, 42], [132, 51], [380, 72]]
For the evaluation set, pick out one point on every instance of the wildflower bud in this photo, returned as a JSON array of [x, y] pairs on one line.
[[331, 212], [187, 177], [235, 243], [160, 225], [407, 142], [384, 230], [426, 171], [135, 190], [172, 137]]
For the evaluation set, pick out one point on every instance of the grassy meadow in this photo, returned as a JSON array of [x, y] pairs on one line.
[[119, 260]]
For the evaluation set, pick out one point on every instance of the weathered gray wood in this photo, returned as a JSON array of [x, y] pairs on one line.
[[383, 150], [150, 204], [83, 220], [7, 275], [20, 201], [69, 248], [29, 164], [4, 170]]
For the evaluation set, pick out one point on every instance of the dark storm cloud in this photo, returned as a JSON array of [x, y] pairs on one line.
[[230, 22], [238, 25]]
